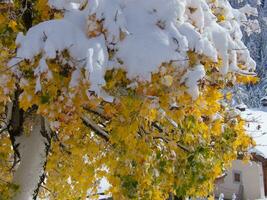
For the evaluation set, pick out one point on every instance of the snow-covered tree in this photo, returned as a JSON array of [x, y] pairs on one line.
[[128, 90], [255, 41]]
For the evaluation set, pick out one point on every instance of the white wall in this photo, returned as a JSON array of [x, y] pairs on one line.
[[251, 179]]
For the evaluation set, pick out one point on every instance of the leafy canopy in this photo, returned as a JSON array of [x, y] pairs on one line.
[[154, 138]]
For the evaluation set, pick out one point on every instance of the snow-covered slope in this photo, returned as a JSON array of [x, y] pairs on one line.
[[257, 128]]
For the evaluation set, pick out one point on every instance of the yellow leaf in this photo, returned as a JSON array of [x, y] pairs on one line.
[[2, 19], [167, 80], [13, 25], [221, 18]]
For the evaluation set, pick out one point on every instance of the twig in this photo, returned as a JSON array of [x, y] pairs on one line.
[[61, 145], [10, 67], [161, 138], [42, 186], [183, 147]]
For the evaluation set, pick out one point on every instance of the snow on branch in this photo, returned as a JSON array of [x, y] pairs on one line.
[[137, 36]]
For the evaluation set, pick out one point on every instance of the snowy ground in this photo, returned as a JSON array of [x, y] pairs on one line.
[[257, 128]]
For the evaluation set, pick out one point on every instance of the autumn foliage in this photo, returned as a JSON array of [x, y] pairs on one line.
[[152, 139]]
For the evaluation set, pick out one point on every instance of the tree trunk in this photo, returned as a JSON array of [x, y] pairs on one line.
[[33, 150]]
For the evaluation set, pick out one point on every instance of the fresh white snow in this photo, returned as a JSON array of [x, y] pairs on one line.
[[155, 32], [257, 128]]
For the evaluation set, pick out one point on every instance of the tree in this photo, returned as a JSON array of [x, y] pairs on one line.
[[130, 91], [253, 37]]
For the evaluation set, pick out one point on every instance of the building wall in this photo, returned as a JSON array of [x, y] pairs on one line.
[[251, 180], [265, 176]]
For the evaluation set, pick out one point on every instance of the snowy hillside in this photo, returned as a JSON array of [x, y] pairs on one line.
[[257, 127]]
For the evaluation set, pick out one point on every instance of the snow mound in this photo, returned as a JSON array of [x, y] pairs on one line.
[[141, 36]]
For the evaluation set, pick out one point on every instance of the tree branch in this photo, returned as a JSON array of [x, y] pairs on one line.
[[99, 131], [15, 127], [61, 145], [98, 111], [166, 140], [46, 133], [183, 147], [3, 129]]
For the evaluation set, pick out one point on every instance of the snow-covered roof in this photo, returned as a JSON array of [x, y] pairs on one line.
[[264, 98], [241, 107], [257, 128]]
